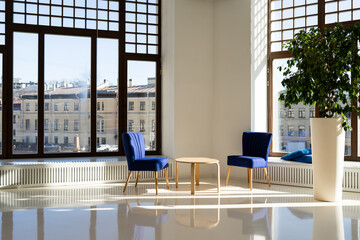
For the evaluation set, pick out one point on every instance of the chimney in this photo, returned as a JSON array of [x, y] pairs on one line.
[[130, 82]]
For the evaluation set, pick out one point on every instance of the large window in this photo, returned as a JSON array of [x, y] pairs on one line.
[[142, 92], [287, 17], [25, 92], [67, 81], [72, 67]]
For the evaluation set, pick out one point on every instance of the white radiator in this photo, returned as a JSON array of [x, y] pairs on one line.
[[301, 174], [71, 173]]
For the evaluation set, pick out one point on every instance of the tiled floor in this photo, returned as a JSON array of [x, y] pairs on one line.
[[104, 212]]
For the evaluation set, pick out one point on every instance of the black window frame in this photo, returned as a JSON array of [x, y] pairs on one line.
[[124, 57]]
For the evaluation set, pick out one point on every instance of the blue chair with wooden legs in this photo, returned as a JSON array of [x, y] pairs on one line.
[[134, 147], [256, 147]]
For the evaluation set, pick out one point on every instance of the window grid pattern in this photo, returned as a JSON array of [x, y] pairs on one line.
[[2, 22], [83, 14], [288, 17], [142, 26], [341, 11]]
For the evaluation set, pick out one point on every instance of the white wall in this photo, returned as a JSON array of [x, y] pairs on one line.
[[206, 79]]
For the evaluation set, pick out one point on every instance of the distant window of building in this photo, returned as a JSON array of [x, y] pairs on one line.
[[98, 106], [302, 113], [290, 113], [76, 125], [46, 107], [302, 131], [291, 131], [36, 107], [312, 113], [66, 140], [27, 107], [283, 114], [76, 107], [142, 125], [14, 132], [131, 106], [14, 118], [66, 124], [142, 105], [153, 127], [46, 139], [153, 106], [46, 124], [102, 106], [27, 124], [97, 141], [56, 107], [282, 130], [66, 107], [56, 140], [100, 125], [103, 140], [56, 125], [131, 125], [36, 124]]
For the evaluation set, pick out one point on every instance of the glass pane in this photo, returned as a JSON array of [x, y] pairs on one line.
[[67, 94], [25, 93], [107, 95], [142, 100], [291, 127]]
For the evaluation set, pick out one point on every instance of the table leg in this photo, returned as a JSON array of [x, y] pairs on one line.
[[218, 177], [197, 174], [177, 175], [192, 178]]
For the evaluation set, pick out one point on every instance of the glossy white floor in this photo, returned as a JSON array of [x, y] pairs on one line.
[[104, 212]]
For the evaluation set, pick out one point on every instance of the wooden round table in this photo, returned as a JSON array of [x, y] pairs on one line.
[[196, 161]]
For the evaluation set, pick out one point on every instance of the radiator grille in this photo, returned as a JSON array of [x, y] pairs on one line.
[[71, 174], [302, 175]]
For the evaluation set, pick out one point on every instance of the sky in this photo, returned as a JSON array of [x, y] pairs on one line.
[[68, 58]]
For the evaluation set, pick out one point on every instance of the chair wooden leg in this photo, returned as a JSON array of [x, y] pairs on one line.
[[267, 178], [137, 178], [228, 175], [250, 177], [156, 182], [166, 177], [127, 181]]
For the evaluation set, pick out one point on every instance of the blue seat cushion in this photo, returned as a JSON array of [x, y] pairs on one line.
[[246, 161], [296, 154], [305, 158], [150, 164]]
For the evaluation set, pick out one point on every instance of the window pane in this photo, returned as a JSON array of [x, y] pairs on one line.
[[291, 127], [142, 100], [25, 93], [107, 95], [67, 94]]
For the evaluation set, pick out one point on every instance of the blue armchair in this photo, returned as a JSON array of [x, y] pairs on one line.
[[256, 147], [134, 147]]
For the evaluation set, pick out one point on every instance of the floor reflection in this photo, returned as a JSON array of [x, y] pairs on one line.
[[102, 212]]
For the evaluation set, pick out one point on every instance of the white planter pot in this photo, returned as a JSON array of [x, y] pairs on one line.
[[328, 144]]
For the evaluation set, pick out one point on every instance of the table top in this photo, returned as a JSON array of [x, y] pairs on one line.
[[200, 160]]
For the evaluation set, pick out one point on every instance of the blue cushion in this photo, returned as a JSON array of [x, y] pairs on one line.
[[149, 164], [246, 161], [296, 154], [305, 158]]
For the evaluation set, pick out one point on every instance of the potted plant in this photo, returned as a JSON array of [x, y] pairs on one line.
[[325, 72]]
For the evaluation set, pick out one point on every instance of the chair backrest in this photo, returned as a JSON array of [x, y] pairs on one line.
[[256, 144], [134, 146]]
